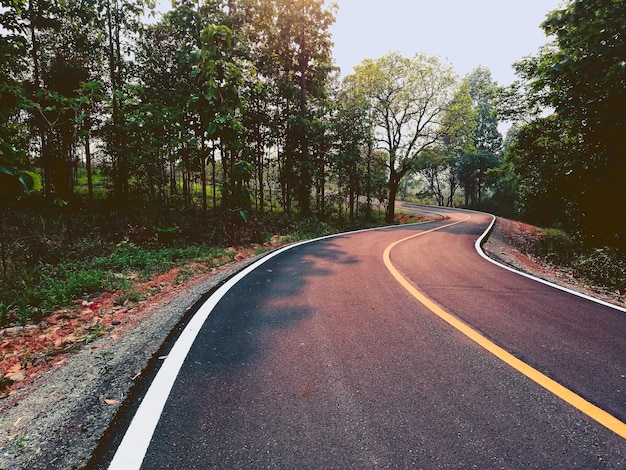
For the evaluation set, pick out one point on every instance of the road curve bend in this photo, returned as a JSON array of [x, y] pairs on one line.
[[350, 352]]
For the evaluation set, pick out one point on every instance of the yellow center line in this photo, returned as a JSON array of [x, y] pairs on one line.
[[599, 415]]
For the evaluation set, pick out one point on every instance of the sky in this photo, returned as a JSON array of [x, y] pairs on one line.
[[468, 33]]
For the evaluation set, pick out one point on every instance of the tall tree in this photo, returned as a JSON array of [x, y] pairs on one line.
[[121, 21], [408, 98], [301, 40], [13, 58], [224, 80], [352, 130], [486, 141], [441, 166]]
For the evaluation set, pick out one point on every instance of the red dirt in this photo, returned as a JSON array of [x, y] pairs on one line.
[[28, 352]]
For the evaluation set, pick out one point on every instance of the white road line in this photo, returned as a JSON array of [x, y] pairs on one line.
[[134, 445], [479, 249], [132, 450]]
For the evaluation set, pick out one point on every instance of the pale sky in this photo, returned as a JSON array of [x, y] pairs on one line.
[[469, 33]]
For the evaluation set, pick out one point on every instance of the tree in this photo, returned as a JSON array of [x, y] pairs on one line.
[[222, 93], [581, 76], [408, 98], [352, 136], [121, 22], [442, 165], [538, 157], [485, 153], [300, 40], [13, 99]]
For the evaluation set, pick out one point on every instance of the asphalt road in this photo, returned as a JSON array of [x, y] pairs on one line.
[[322, 358]]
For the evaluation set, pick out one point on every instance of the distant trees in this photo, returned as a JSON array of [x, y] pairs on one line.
[[485, 153], [229, 104], [468, 147], [233, 107], [156, 104]]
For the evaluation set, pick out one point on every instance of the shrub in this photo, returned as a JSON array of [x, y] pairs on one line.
[[556, 246], [603, 266]]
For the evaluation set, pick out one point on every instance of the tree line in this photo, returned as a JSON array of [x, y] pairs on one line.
[[235, 107]]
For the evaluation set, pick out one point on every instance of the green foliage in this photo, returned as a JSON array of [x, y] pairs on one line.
[[571, 165], [128, 258], [29, 294], [539, 157], [604, 267], [584, 69], [556, 246], [33, 293], [306, 229], [405, 98], [14, 180]]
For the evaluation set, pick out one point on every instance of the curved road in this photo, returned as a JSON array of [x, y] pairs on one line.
[[394, 348]]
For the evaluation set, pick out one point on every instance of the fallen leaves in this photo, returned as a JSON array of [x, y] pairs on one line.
[[26, 352]]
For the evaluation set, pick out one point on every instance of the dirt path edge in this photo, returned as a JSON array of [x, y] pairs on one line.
[[58, 422]]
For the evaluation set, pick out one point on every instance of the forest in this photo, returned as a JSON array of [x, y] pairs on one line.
[[224, 122]]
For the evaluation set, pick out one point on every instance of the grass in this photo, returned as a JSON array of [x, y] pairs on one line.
[[31, 294], [46, 273]]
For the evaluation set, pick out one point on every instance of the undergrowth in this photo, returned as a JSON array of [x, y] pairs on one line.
[[602, 267], [60, 261], [30, 294]]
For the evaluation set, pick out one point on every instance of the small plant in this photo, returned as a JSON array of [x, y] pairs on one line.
[[133, 295], [183, 275], [98, 330], [26, 359], [20, 444], [5, 382]]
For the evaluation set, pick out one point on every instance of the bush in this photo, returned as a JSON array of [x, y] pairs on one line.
[[603, 266], [31, 293], [556, 246]]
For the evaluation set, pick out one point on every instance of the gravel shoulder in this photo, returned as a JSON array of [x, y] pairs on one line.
[[57, 419]]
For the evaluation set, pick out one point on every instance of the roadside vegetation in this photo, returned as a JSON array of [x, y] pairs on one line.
[[44, 269], [603, 267]]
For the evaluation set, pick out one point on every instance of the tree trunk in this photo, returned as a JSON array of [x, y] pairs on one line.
[[305, 170], [213, 177], [3, 254], [203, 162], [391, 206], [88, 159]]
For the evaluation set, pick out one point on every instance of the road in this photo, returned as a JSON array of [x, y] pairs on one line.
[[394, 348]]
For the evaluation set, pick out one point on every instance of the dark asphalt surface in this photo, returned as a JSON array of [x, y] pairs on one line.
[[319, 359]]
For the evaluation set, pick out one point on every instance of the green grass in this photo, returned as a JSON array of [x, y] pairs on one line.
[[31, 294], [49, 274]]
